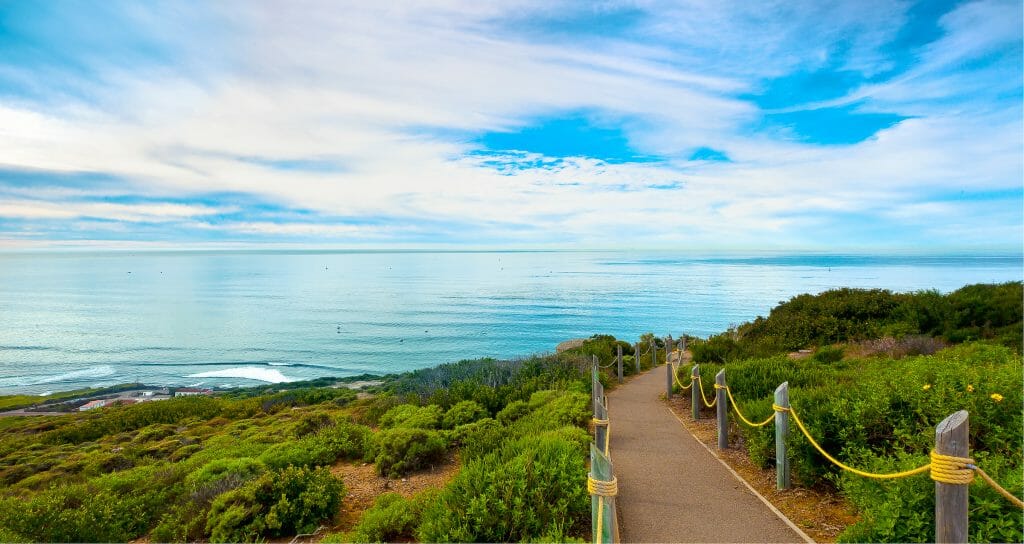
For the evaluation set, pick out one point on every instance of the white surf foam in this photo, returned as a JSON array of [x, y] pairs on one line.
[[279, 364], [248, 372], [101, 371]]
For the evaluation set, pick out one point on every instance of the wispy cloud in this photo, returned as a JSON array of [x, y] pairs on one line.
[[697, 123]]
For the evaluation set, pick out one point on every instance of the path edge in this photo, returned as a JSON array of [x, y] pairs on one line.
[[749, 487]]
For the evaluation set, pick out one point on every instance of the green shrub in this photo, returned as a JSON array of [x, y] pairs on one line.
[[393, 518], [341, 441], [402, 450], [289, 501], [513, 411], [412, 416], [464, 412], [829, 354], [478, 438], [529, 488]]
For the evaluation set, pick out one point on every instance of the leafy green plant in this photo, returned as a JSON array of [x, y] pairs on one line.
[[289, 501], [402, 450], [464, 412]]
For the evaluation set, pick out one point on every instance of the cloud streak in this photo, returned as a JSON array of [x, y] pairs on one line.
[[308, 123]]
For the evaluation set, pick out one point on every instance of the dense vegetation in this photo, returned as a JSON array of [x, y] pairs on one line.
[[255, 464], [879, 414], [911, 321]]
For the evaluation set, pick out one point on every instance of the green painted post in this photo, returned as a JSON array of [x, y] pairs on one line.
[[695, 392], [781, 430]]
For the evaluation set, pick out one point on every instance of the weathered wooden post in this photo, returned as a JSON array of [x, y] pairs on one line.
[[668, 381], [654, 353], [781, 430], [722, 400], [695, 392], [618, 360], [636, 357], [951, 499]]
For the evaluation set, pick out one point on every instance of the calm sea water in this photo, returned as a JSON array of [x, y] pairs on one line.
[[70, 320]]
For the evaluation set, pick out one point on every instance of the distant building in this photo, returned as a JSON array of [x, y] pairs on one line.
[[92, 404], [191, 392]]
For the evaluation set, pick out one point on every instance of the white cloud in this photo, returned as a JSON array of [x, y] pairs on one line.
[[389, 93]]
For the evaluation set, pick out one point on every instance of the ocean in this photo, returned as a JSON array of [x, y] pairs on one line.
[[231, 318]]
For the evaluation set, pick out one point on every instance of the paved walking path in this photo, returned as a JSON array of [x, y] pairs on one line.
[[671, 489]]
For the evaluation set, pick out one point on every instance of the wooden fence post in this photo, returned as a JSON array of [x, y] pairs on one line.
[[951, 499], [695, 392], [668, 381], [654, 353], [636, 357], [781, 430], [618, 360], [723, 410]]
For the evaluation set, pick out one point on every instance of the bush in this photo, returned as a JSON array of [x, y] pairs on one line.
[[513, 411], [341, 441], [402, 450], [829, 354], [289, 501], [464, 412], [529, 488], [393, 518], [412, 416]]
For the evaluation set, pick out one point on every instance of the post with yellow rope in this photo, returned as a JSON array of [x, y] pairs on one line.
[[951, 499], [636, 357], [618, 360], [723, 410], [781, 430], [668, 378], [694, 392], [603, 487], [654, 353]]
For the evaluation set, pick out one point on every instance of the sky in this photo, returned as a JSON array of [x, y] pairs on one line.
[[687, 124]]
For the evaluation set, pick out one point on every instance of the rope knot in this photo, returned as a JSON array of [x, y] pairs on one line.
[[949, 469], [597, 421], [721, 386], [602, 488], [778, 408]]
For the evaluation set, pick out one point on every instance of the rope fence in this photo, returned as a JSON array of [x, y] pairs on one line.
[[949, 465], [601, 482]]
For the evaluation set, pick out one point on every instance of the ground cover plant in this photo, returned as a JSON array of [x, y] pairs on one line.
[[252, 464]]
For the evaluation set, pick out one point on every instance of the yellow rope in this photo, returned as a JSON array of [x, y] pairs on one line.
[[675, 376], [736, 409], [952, 470], [602, 488], [839, 464], [705, 399], [945, 469], [1009, 496]]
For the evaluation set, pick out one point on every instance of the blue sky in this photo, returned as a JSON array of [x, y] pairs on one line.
[[697, 124]]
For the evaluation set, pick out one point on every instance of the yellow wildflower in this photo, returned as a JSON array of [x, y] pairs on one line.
[[970, 388], [997, 397], [926, 387]]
